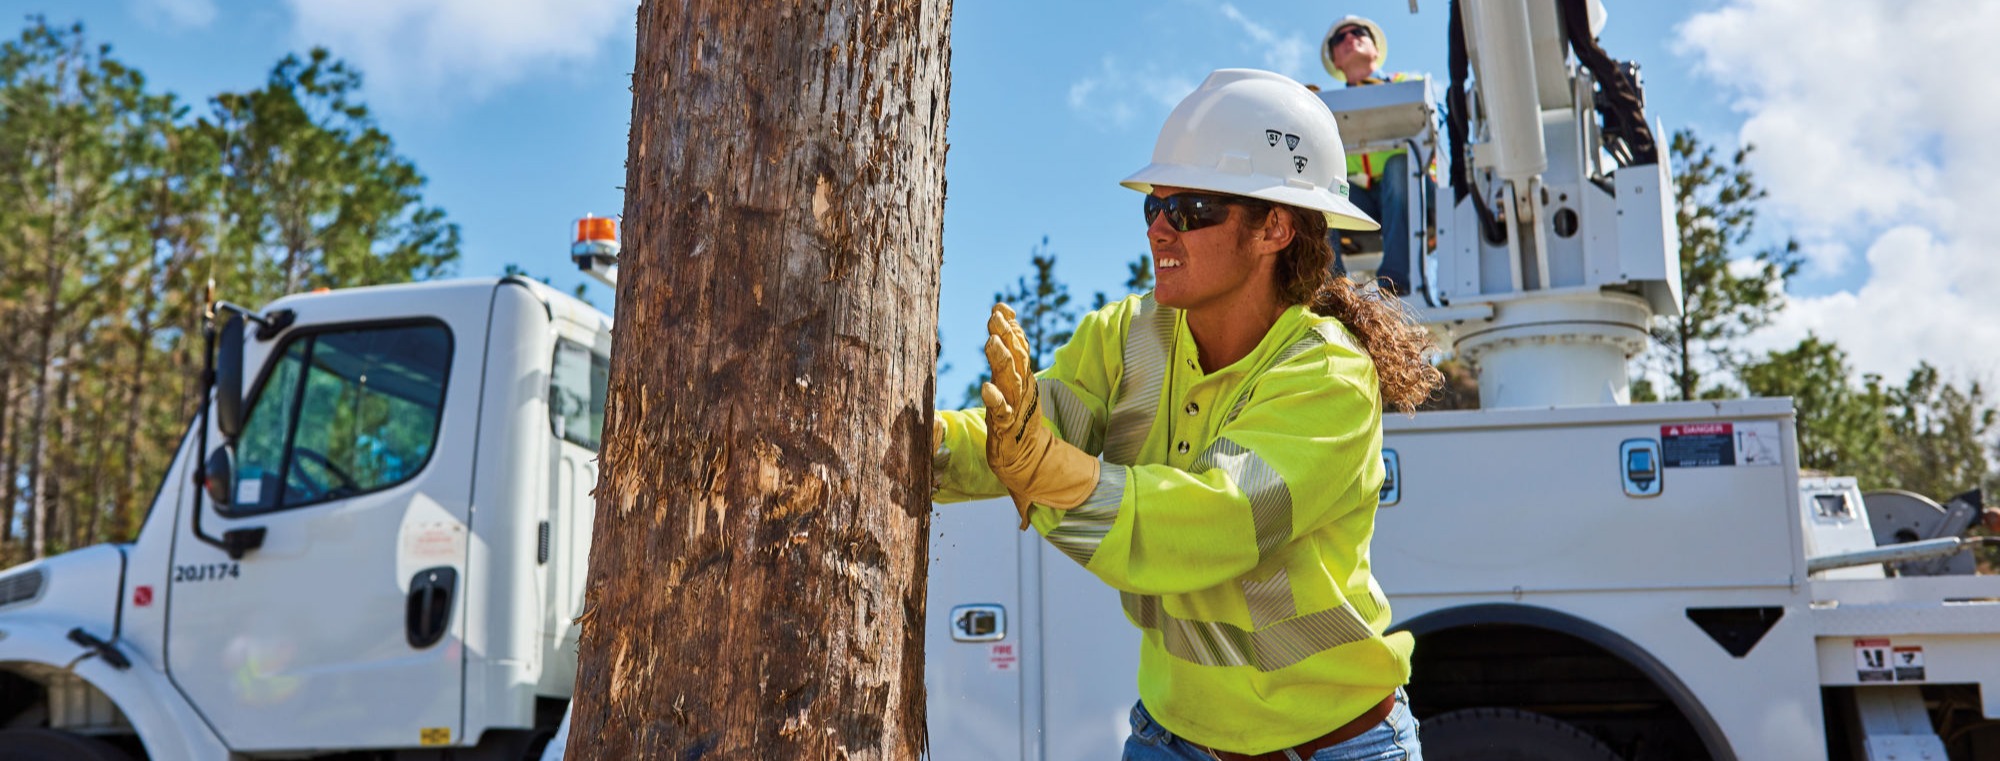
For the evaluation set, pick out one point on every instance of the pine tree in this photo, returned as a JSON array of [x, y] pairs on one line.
[[1716, 210]]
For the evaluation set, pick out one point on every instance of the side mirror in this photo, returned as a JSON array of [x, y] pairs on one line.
[[229, 380], [219, 477]]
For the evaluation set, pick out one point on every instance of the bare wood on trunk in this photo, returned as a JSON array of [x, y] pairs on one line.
[[757, 579]]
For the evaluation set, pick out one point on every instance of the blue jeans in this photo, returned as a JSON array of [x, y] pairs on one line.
[[1388, 202], [1395, 739]]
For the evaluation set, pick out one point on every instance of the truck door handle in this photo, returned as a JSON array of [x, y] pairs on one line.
[[427, 612]]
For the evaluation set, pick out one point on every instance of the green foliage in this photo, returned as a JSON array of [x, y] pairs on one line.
[[1928, 435], [118, 207], [314, 186], [1841, 424], [1724, 296], [1939, 434]]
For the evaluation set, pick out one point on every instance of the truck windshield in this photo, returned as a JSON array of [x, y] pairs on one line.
[[576, 394]]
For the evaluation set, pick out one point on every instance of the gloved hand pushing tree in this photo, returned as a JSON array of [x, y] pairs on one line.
[[1035, 466]]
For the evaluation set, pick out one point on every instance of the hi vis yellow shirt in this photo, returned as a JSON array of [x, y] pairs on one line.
[[1232, 514]]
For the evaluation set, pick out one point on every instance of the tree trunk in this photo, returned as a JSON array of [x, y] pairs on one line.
[[757, 579], [62, 504], [38, 436], [10, 490]]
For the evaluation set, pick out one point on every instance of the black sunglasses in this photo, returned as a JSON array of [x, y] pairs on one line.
[[1193, 211], [1342, 35]]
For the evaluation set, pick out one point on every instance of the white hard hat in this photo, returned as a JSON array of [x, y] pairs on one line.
[[1374, 30], [1259, 134]]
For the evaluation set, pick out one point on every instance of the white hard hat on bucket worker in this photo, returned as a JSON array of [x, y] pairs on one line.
[[1258, 134], [1374, 30]]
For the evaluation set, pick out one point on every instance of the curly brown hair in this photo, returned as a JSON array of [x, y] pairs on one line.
[[1401, 348]]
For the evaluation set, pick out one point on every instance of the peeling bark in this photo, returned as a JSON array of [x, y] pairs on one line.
[[757, 579]]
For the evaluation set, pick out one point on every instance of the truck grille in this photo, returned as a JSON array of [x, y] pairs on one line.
[[20, 587]]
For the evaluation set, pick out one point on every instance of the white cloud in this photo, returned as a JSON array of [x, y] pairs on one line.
[[1870, 120], [1285, 55], [429, 51], [1113, 97], [1120, 93], [187, 14]]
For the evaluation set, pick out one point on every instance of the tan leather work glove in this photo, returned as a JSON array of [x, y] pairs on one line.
[[1035, 466]]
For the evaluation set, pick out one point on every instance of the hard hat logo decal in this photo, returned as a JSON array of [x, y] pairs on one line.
[[1299, 163], [1271, 137], [1291, 142]]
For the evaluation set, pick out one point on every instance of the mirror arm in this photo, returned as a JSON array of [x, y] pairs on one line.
[[268, 325], [239, 541], [207, 416]]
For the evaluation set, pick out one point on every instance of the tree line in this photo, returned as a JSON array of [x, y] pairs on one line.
[[1928, 434], [119, 204]]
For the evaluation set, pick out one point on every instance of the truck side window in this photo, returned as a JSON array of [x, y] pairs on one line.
[[341, 413], [576, 394]]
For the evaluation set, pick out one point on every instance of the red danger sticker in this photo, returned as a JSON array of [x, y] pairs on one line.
[[1714, 444], [1696, 429], [1697, 445]]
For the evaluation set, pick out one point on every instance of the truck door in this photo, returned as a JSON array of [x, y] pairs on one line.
[[345, 628]]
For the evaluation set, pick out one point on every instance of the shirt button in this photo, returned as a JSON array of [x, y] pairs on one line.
[[1193, 408], [1183, 448], [1190, 363]]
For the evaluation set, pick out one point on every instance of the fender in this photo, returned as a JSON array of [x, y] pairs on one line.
[[166, 723], [1612, 642]]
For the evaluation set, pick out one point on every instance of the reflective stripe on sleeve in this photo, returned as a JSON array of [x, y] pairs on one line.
[[1270, 499], [1062, 406], [1267, 649], [1084, 526], [1148, 343]]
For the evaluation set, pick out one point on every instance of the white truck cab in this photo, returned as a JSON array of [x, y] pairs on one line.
[[393, 564]]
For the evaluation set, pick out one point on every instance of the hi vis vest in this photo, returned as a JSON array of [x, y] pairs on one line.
[[1370, 164], [1233, 514]]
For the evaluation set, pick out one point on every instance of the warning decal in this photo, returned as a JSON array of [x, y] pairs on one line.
[[1871, 661], [1908, 663], [1757, 443], [1003, 658], [1697, 445], [1710, 445], [1879, 660]]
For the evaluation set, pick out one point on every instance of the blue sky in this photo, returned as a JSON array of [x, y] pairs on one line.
[[517, 111]]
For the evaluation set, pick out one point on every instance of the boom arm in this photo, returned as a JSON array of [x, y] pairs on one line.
[[1561, 219]]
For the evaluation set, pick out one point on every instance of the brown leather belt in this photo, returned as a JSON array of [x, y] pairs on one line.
[[1366, 721]]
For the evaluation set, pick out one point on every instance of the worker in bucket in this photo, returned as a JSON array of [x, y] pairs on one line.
[[1353, 52], [1238, 412]]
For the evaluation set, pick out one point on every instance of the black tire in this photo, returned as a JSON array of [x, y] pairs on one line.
[[1507, 734], [55, 745]]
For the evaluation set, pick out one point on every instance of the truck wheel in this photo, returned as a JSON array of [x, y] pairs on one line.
[[1507, 734], [55, 745]]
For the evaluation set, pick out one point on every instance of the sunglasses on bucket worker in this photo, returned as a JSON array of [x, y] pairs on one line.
[[1347, 33], [1352, 31], [1193, 211]]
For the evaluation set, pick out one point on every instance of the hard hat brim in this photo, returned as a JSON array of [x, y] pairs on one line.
[[1341, 214]]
